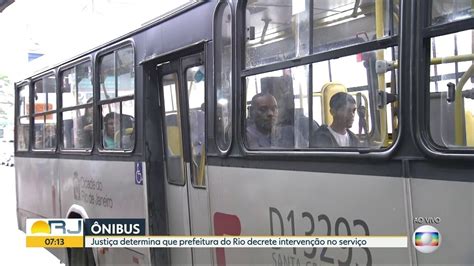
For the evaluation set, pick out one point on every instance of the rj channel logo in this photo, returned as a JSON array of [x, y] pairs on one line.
[[54, 233], [426, 239]]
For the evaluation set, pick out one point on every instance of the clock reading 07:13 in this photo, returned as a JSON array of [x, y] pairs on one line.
[[54, 241]]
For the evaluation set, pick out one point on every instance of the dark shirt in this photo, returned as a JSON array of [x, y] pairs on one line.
[[283, 136], [322, 138], [255, 138]]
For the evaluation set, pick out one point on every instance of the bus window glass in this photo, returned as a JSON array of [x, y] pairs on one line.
[[117, 80], [276, 30], [77, 129], [197, 121], [223, 77], [24, 101], [367, 125], [118, 125], [45, 131], [107, 77], [50, 90], [172, 132], [277, 114], [23, 134], [23, 120], [125, 72], [444, 11], [68, 88], [84, 82], [39, 97], [451, 90], [341, 23], [76, 90], [45, 94]]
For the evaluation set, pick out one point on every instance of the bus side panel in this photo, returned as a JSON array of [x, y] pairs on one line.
[[105, 189], [306, 203], [453, 203], [37, 188]]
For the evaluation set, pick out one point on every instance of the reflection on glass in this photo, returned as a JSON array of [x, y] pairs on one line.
[[223, 70], [45, 132], [24, 101], [68, 88], [276, 31], [197, 121], [343, 23], [172, 124], [451, 90], [23, 135], [444, 11], [126, 74], [280, 30], [84, 83], [107, 77], [77, 129]]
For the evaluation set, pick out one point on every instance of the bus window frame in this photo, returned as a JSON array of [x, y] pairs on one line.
[[35, 79], [98, 102], [222, 4], [422, 131], [390, 41], [62, 109], [18, 87]]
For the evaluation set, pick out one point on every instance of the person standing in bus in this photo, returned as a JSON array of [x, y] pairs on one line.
[[342, 108], [262, 117]]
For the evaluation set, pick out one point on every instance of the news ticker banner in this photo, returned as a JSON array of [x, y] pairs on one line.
[[130, 233]]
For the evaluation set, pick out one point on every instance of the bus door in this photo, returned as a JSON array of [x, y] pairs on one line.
[[182, 91]]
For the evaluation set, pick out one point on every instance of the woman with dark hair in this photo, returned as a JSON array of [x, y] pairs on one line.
[[109, 131]]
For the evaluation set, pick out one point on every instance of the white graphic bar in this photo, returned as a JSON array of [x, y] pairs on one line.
[[246, 241]]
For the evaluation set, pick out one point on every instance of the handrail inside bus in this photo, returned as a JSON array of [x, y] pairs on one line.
[[458, 109], [379, 32]]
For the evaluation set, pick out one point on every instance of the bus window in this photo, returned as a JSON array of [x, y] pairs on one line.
[[451, 90], [280, 30], [107, 77], [195, 80], [45, 113], [126, 78], [223, 77], [77, 121], [277, 110], [342, 23], [444, 11], [118, 126], [23, 122], [173, 133], [117, 89], [363, 85], [276, 31]]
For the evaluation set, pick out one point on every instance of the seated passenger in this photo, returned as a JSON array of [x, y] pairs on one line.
[[109, 131], [342, 108], [262, 117]]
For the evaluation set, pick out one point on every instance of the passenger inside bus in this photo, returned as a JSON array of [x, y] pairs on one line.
[[109, 131], [262, 117], [342, 108]]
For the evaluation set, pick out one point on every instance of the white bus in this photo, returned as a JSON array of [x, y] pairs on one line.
[[208, 121]]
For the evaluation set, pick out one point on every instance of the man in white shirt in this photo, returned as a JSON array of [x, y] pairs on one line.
[[342, 108]]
